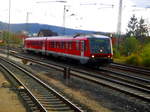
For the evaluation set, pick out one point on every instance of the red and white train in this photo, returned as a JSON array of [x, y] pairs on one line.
[[91, 48]]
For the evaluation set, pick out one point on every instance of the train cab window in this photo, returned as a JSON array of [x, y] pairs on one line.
[[100, 45]]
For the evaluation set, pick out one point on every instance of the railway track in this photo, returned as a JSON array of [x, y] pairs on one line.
[[38, 96], [125, 83], [134, 69]]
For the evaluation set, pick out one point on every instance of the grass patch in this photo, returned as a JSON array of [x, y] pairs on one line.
[[134, 59], [145, 54]]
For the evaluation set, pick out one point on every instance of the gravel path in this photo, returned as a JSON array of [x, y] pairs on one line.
[[9, 101]]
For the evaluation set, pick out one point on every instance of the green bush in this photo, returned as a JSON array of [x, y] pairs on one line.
[[134, 59], [116, 53], [145, 54], [146, 62], [130, 45]]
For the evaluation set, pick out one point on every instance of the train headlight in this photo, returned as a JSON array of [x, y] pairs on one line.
[[109, 56], [93, 56], [101, 50]]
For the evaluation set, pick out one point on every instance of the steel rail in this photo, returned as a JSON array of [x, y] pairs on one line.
[[73, 106], [120, 81], [125, 75], [25, 89], [135, 69], [91, 78], [121, 89]]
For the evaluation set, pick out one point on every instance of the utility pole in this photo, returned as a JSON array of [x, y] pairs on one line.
[[119, 22], [27, 21], [64, 19], [8, 30]]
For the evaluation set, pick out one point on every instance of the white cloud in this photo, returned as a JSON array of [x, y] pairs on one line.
[[91, 17]]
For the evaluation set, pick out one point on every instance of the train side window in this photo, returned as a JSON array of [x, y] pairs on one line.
[[56, 44], [52, 44], [41, 43], [49, 44], [66, 44], [61, 45], [74, 45], [85, 47], [70, 46], [77, 45]]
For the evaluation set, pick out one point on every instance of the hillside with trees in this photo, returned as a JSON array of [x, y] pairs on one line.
[[135, 47]]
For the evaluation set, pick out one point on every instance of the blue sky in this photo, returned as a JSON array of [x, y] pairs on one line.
[[98, 15]]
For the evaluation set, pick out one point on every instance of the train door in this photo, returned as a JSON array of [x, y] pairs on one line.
[[83, 59], [82, 48], [43, 46]]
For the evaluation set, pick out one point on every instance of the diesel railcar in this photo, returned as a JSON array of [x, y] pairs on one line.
[[91, 49]]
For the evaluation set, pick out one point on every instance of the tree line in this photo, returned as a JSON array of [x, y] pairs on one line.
[[137, 28]]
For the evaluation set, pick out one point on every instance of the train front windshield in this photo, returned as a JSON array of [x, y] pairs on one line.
[[100, 45]]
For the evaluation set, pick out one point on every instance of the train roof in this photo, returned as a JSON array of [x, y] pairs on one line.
[[76, 37]]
